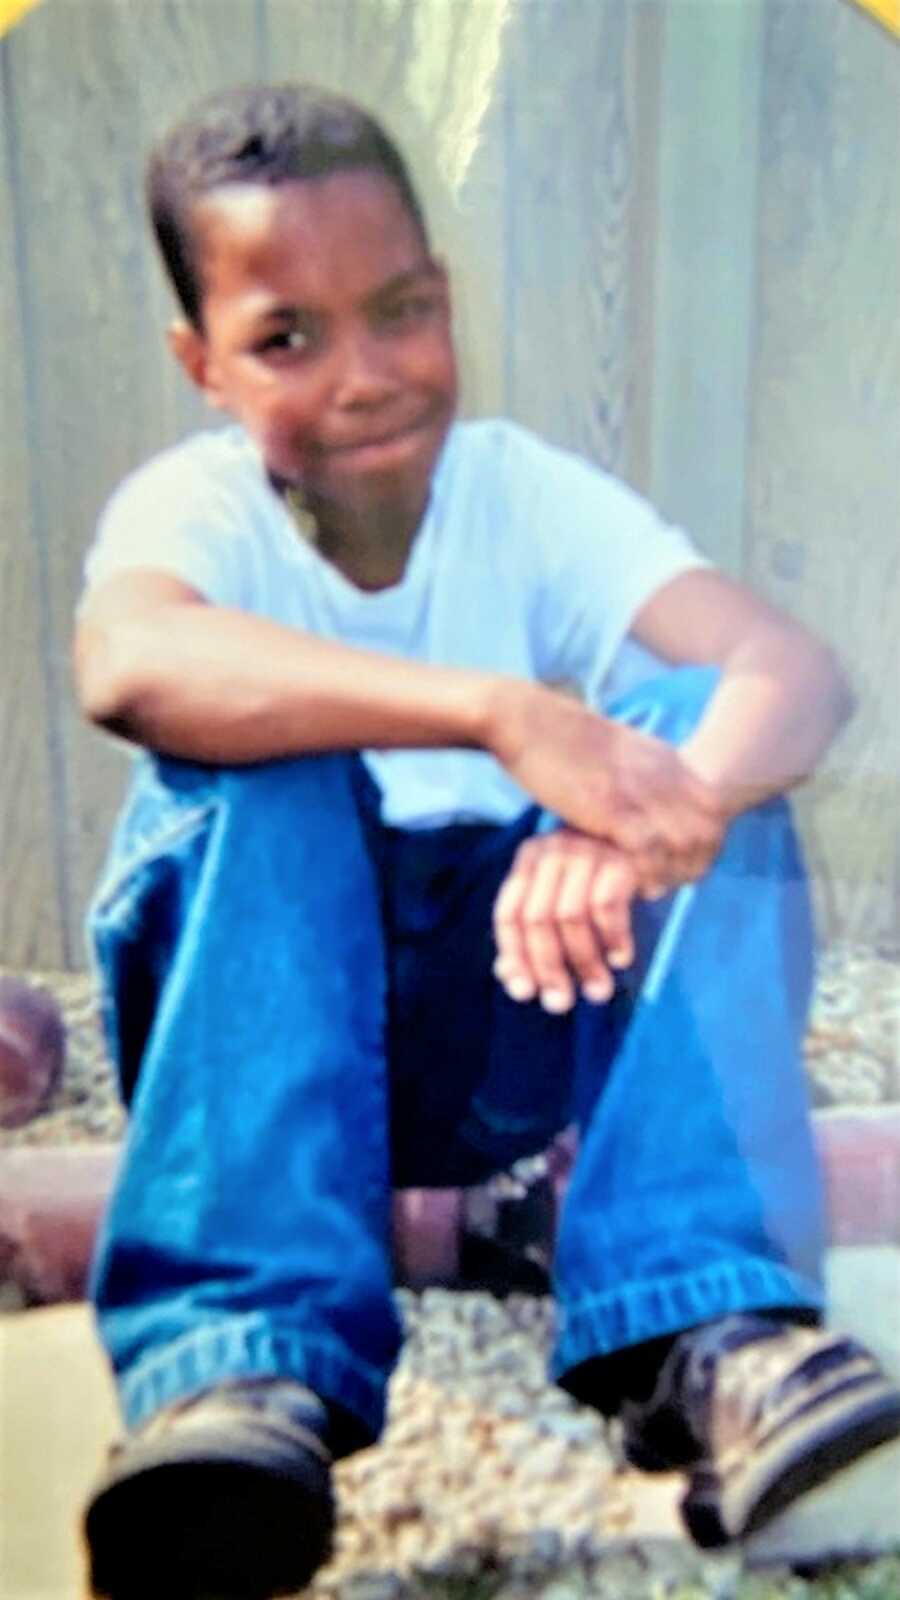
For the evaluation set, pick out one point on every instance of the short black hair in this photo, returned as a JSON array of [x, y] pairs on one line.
[[258, 133]]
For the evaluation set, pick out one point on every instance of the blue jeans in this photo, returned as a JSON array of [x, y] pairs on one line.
[[302, 1012]]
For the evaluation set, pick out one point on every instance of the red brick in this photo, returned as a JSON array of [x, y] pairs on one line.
[[860, 1152], [51, 1201]]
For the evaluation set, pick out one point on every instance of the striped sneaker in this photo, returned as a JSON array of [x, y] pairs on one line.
[[759, 1412], [226, 1495]]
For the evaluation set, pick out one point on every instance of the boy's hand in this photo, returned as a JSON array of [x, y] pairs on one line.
[[562, 920], [614, 783]]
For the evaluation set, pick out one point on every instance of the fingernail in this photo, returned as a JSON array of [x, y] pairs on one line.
[[620, 960], [555, 1000], [520, 989], [597, 991]]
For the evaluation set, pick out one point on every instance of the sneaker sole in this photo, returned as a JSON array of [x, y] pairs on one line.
[[855, 1515], [192, 1528], [718, 1510]]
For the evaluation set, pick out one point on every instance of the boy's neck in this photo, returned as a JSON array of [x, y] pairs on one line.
[[371, 550]]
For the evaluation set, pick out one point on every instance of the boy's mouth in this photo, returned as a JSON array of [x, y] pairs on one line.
[[379, 441]]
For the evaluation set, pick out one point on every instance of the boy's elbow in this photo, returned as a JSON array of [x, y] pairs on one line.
[[836, 685], [103, 679], [827, 683]]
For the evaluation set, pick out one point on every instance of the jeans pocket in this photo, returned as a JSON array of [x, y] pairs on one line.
[[133, 920]]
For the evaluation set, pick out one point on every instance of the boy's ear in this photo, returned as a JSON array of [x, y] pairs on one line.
[[189, 348], [440, 265]]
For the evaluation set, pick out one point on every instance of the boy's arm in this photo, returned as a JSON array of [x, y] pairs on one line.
[[781, 697], [780, 701], [562, 918], [158, 664]]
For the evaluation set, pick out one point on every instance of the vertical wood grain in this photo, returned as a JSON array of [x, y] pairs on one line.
[[824, 478], [643, 78], [91, 82], [570, 160], [30, 888], [705, 247]]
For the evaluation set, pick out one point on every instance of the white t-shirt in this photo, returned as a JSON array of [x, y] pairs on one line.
[[529, 561]]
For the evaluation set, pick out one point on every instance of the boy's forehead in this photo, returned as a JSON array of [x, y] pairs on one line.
[[345, 218], [234, 209]]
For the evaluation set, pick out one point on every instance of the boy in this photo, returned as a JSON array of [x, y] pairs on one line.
[[332, 628]]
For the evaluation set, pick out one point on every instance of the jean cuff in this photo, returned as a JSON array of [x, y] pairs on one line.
[[254, 1346], [597, 1325]]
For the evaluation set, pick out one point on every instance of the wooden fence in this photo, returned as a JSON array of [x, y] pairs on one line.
[[675, 232]]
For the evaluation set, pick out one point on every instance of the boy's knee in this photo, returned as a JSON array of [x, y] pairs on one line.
[[669, 706], [328, 778]]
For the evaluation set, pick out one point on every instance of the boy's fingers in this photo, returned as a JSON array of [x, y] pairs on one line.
[[576, 929], [670, 839], [612, 891], [564, 913], [543, 945], [511, 966], [653, 866], [686, 844]]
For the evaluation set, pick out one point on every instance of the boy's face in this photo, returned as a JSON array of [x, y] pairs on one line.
[[326, 332]]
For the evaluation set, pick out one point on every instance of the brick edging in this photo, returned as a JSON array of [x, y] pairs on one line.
[[52, 1198]]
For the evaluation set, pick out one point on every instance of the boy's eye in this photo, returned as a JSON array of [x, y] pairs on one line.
[[412, 308], [292, 340]]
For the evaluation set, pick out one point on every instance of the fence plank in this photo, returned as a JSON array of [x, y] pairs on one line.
[[643, 75], [30, 921], [824, 489], [92, 81], [705, 227], [570, 165]]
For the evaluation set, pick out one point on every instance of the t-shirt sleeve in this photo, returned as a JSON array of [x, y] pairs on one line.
[[172, 518], [600, 553]]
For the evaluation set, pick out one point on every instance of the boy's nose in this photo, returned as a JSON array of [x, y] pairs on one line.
[[364, 375]]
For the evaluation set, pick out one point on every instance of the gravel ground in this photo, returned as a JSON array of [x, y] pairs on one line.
[[852, 1048], [853, 1044], [489, 1484]]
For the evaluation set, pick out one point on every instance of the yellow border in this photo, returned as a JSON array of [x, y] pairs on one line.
[[884, 11], [11, 11]]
